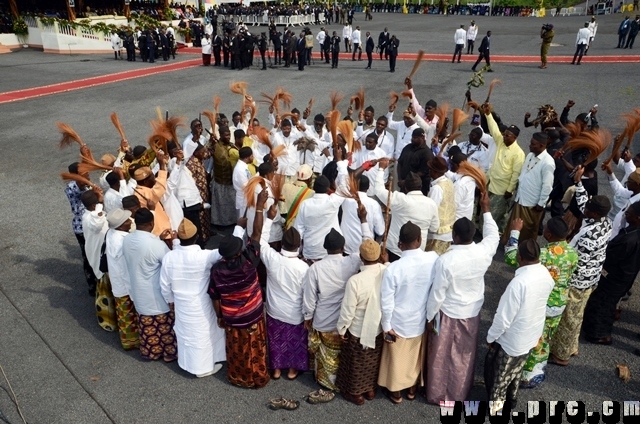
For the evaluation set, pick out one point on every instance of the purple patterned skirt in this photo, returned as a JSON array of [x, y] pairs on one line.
[[288, 345]]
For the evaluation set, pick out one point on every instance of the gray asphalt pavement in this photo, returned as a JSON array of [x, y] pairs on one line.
[[65, 369]]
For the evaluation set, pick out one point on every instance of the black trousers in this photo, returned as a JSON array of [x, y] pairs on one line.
[[225, 55], [470, 46], [579, 52], [92, 281], [385, 51], [356, 49], [216, 56], [327, 56], [630, 41], [302, 59], [264, 62], [369, 58], [392, 62], [457, 52], [621, 39], [334, 59], [485, 56]]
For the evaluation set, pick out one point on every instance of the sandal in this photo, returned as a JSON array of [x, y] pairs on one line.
[[320, 396], [394, 400], [283, 403]]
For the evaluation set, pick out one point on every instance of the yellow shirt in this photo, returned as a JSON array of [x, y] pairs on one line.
[[507, 163]]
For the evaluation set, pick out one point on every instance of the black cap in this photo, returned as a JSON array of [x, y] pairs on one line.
[[333, 241], [230, 246]]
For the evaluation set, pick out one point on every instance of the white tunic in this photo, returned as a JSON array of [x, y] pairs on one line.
[[184, 281]]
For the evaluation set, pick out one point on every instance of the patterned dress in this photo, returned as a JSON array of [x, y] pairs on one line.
[[196, 166], [561, 260]]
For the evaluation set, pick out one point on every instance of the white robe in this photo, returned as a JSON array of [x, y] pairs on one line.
[[184, 281]]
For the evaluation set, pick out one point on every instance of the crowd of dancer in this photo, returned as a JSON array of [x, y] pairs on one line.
[[360, 244]]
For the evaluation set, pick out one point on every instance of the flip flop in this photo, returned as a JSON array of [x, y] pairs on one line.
[[394, 400]]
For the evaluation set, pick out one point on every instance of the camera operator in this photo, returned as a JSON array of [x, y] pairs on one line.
[[546, 33]]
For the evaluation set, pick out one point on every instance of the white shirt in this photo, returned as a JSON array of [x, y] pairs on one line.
[[361, 291], [118, 271], [405, 289], [536, 180], [316, 217], [351, 226], [355, 36], [346, 31], [593, 28], [184, 281], [458, 277], [275, 233], [143, 253], [285, 272], [583, 36], [206, 45], [519, 319], [324, 285], [413, 206], [113, 199], [94, 226], [289, 163], [241, 177], [429, 127], [477, 155], [403, 134], [472, 32], [320, 37], [186, 190], [464, 188], [619, 191], [365, 155], [116, 42], [189, 146], [460, 36], [621, 200]]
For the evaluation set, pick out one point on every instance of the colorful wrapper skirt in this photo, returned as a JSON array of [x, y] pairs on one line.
[[157, 339], [127, 323], [325, 348], [247, 356], [105, 305]]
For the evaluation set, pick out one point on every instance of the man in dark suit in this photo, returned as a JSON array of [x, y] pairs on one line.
[[262, 47], [369, 46], [633, 31], [335, 50], [217, 46], [392, 49], [327, 47], [286, 39], [484, 52], [383, 41], [301, 50], [226, 48], [623, 30]]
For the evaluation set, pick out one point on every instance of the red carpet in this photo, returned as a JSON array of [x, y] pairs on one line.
[[29, 93], [472, 58]]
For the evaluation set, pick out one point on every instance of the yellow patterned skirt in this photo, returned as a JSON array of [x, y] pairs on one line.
[[105, 305], [325, 348]]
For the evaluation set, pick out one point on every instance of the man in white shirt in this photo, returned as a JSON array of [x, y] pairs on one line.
[[404, 130], [459, 38], [405, 288], [442, 193], [320, 39], [454, 305], [324, 286], [317, 216], [371, 153], [350, 225], [206, 49], [516, 328], [289, 162], [631, 193], [346, 35], [410, 206], [472, 32], [359, 326], [119, 226], [95, 226], [143, 252], [184, 282], [464, 188], [288, 338], [593, 28], [116, 44], [582, 41], [241, 177], [477, 153], [355, 39], [117, 190], [534, 186]]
